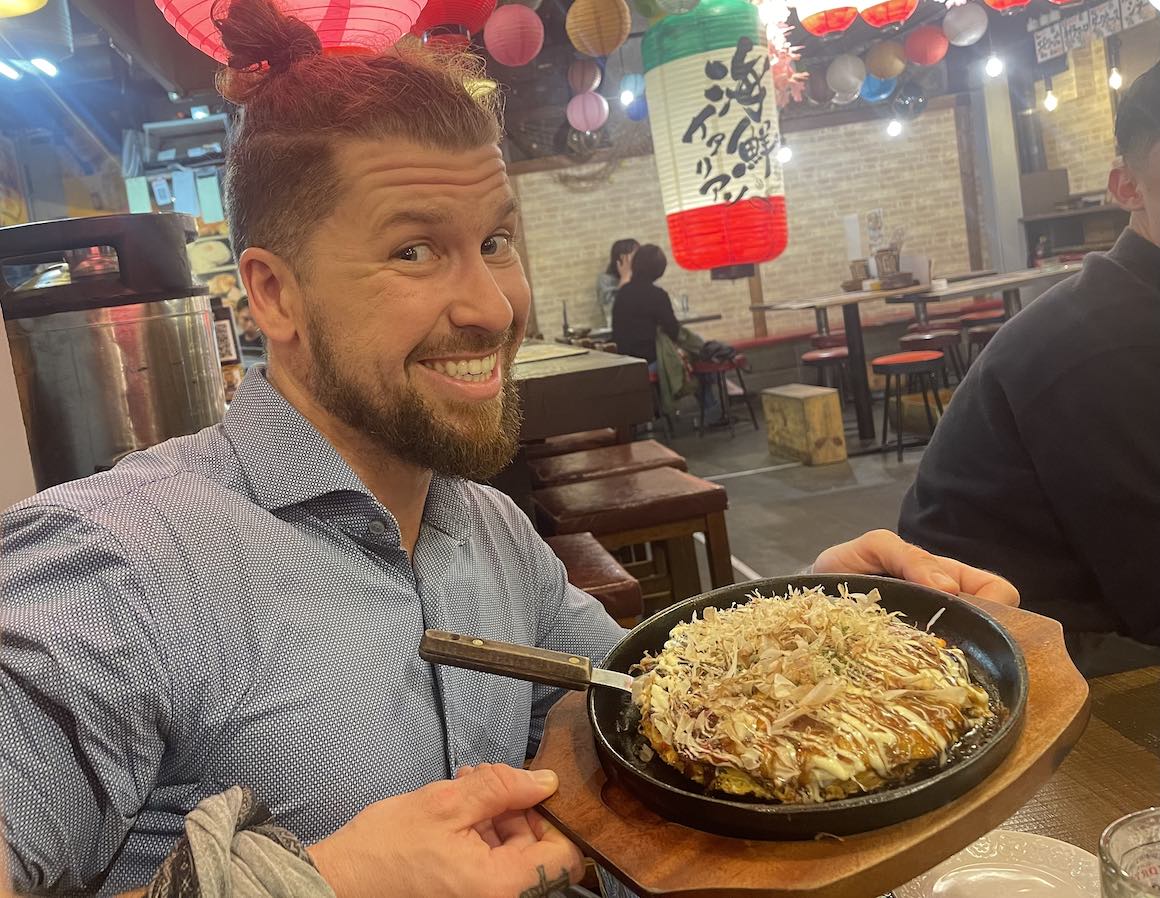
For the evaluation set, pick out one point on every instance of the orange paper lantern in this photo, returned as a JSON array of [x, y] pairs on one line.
[[886, 13], [9, 8], [598, 27]]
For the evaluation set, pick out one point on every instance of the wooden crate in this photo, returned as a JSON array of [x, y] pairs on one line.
[[805, 422]]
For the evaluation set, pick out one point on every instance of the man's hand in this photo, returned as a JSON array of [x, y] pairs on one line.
[[624, 268], [473, 837], [884, 552]]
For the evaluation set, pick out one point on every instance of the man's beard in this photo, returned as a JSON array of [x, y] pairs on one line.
[[471, 440]]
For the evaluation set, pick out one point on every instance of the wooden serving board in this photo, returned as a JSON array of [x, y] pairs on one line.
[[658, 858]]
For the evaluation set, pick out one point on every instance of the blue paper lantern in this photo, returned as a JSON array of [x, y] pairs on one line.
[[638, 109], [631, 87], [877, 90]]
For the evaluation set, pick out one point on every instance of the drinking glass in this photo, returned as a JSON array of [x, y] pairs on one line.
[[1130, 856]]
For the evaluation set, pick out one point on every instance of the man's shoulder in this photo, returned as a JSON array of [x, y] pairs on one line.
[[192, 471]]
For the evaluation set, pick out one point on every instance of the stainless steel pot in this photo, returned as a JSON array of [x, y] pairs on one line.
[[117, 351]]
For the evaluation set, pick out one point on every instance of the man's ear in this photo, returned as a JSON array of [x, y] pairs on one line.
[[1124, 188], [273, 290]]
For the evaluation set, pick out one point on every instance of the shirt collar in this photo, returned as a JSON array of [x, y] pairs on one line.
[[1138, 255], [287, 461]]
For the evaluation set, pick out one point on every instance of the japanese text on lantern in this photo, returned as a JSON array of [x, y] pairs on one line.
[[735, 129]]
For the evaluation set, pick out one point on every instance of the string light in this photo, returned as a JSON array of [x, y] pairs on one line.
[[1050, 100], [784, 154], [45, 66], [1115, 79], [894, 128], [8, 72], [993, 67]]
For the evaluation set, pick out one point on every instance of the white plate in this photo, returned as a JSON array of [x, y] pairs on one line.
[[1012, 865]]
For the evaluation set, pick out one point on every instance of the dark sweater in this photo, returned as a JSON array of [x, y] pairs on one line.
[[641, 308], [1046, 468]]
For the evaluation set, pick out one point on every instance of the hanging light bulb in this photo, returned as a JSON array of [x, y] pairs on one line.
[[1050, 100], [1115, 79], [784, 154], [894, 128], [993, 67]]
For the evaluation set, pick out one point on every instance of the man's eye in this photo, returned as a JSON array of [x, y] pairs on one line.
[[496, 245], [419, 253]]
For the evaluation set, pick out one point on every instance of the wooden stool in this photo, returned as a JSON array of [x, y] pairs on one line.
[[571, 442], [922, 365], [994, 316], [609, 461], [726, 389], [662, 508], [947, 341], [978, 337], [805, 422], [827, 361], [591, 568], [832, 340]]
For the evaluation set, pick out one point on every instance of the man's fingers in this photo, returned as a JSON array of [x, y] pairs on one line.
[[554, 853], [485, 829], [983, 584], [488, 791], [513, 828]]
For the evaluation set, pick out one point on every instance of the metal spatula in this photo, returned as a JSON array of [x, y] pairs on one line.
[[521, 662]]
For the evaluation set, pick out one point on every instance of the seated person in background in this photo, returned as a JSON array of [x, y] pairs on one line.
[[641, 308], [615, 276], [1046, 468]]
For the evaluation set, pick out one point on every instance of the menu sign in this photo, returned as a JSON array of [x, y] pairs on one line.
[[1076, 31]]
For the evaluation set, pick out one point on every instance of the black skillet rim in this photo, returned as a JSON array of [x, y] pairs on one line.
[[826, 813]]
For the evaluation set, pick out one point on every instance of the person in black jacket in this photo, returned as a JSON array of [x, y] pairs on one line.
[[641, 308], [1046, 468]]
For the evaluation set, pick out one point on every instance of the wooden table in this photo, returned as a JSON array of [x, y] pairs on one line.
[[603, 333], [584, 391], [1009, 283], [852, 319], [1113, 770]]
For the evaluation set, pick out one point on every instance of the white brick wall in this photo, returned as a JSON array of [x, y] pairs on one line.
[[835, 171], [1079, 134]]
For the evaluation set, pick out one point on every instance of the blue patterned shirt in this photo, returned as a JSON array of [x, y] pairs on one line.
[[234, 607]]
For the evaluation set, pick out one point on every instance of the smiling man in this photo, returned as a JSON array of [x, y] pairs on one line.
[[244, 606]]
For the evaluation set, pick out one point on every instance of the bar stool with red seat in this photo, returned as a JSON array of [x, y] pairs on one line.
[[990, 316], [608, 461], [922, 365], [832, 340], [978, 337], [661, 508], [827, 362], [945, 341], [590, 567], [726, 390]]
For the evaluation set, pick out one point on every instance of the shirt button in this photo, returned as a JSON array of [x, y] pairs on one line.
[[377, 528]]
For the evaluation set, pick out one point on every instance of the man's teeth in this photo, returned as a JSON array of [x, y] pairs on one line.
[[474, 370]]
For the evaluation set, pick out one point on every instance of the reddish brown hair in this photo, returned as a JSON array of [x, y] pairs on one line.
[[297, 104]]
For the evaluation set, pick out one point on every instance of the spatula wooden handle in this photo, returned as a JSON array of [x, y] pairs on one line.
[[522, 662]]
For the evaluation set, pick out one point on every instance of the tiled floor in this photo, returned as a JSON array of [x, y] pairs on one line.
[[781, 514]]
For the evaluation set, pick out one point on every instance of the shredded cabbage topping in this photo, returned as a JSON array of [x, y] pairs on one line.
[[804, 697]]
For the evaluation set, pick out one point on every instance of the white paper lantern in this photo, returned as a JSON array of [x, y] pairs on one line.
[[846, 74], [965, 25]]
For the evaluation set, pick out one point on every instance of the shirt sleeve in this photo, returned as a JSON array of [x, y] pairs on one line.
[[570, 621], [83, 697]]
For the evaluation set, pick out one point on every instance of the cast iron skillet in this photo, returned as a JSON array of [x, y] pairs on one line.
[[995, 661]]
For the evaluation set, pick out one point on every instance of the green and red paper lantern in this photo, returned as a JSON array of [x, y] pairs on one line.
[[713, 113]]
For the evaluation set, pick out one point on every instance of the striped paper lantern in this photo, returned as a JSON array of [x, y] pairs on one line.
[[587, 112], [714, 121], [598, 27], [514, 35], [825, 18], [584, 75]]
